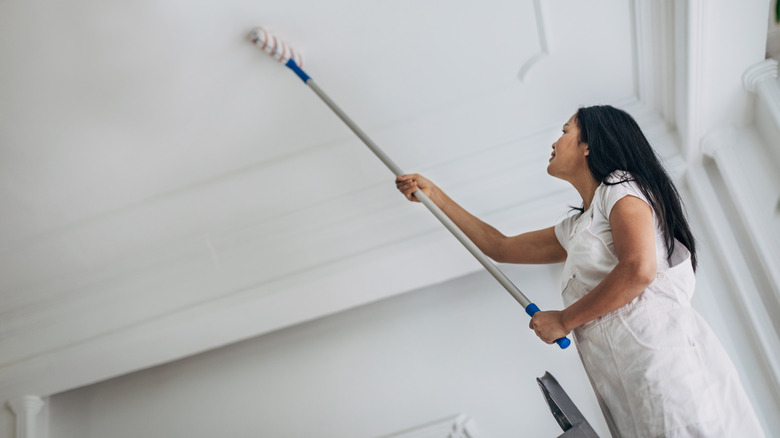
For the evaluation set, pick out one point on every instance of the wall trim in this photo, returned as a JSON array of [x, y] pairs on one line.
[[762, 71], [542, 28], [457, 426], [750, 310], [690, 34], [761, 79], [719, 147], [26, 409]]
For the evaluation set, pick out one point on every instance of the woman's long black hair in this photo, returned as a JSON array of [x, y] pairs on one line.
[[616, 142]]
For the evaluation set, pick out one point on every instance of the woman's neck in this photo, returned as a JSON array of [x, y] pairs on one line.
[[586, 185]]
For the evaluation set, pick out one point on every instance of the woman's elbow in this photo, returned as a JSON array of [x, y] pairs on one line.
[[638, 272], [496, 255], [644, 273], [496, 250]]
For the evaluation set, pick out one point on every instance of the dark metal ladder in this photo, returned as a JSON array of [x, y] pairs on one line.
[[563, 409]]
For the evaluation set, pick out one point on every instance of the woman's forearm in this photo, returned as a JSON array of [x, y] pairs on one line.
[[540, 246], [488, 239], [620, 287]]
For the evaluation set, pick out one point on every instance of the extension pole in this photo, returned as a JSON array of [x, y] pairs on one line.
[[422, 197], [279, 51]]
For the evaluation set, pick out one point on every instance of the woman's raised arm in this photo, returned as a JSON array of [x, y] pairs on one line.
[[534, 247]]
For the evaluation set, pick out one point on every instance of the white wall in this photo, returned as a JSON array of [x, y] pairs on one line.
[[722, 301], [732, 195], [459, 347]]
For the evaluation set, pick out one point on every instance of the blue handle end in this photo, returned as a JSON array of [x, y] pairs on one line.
[[562, 342], [294, 67]]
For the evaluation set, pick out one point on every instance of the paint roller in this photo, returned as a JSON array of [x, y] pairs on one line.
[[279, 50]]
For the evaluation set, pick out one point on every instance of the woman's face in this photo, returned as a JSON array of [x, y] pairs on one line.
[[568, 157]]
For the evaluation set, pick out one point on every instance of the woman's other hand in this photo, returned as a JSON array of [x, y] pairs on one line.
[[548, 325], [408, 184]]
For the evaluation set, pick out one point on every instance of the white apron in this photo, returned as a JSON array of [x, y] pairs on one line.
[[655, 365]]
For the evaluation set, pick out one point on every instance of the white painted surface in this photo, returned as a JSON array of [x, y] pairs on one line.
[[166, 189], [717, 41], [730, 300], [458, 426], [156, 166], [26, 409], [461, 346]]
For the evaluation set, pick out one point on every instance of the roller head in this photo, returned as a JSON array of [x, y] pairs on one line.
[[271, 44]]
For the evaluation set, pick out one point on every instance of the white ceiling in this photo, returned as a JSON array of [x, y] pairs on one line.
[[158, 169]]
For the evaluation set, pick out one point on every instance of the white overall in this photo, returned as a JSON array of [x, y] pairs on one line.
[[655, 365]]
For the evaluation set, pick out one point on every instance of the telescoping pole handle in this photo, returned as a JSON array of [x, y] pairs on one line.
[[530, 308]]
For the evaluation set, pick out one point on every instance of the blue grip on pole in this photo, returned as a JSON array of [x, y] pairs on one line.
[[562, 342], [294, 67]]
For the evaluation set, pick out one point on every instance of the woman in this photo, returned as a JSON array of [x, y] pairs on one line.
[[655, 365]]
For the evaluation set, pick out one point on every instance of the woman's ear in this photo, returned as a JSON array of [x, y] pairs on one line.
[[587, 148]]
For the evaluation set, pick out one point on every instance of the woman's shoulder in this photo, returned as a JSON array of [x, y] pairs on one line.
[[616, 186]]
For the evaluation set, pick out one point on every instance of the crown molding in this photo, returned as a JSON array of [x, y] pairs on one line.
[[654, 55], [457, 426], [542, 28], [760, 72], [26, 408], [761, 78], [749, 308]]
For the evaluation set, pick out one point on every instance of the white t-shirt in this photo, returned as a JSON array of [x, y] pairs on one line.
[[593, 263], [656, 367]]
